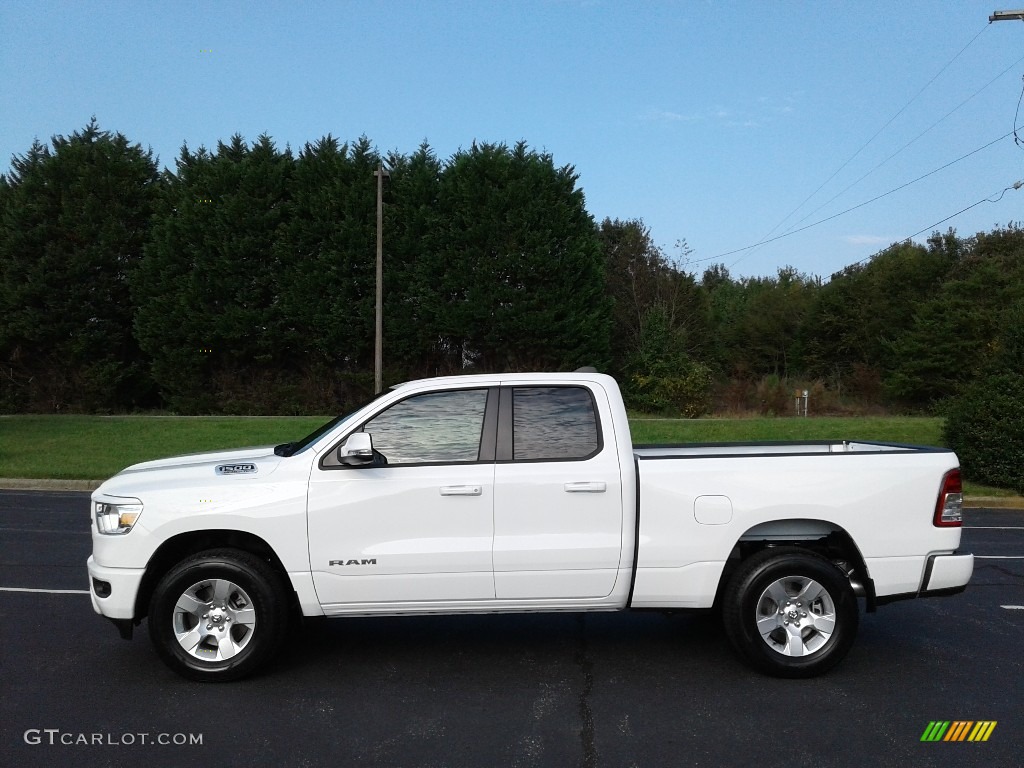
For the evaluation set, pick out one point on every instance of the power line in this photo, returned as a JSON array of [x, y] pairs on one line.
[[1016, 138], [868, 142], [909, 143], [931, 227], [790, 233]]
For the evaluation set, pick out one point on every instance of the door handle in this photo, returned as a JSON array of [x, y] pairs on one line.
[[461, 490], [585, 487]]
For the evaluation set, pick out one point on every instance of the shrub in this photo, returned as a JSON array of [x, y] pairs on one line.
[[734, 395], [685, 392], [660, 376], [775, 398], [985, 426]]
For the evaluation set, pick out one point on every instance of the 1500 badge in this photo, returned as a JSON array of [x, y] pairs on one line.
[[236, 469]]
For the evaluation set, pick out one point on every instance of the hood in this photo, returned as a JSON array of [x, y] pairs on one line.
[[194, 469], [234, 455]]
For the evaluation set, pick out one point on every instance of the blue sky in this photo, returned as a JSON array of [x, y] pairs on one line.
[[711, 121]]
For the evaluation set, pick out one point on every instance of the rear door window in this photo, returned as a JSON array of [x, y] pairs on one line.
[[554, 424]]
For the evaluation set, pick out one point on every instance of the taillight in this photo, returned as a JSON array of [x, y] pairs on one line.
[[949, 509]]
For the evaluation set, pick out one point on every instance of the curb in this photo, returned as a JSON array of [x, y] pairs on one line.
[[29, 484], [994, 502]]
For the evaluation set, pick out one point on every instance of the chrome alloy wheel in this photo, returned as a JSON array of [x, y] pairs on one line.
[[214, 620], [795, 616]]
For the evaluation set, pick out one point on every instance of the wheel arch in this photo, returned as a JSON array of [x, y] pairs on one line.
[[823, 537], [177, 548]]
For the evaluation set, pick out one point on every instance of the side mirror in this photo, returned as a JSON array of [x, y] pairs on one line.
[[356, 450]]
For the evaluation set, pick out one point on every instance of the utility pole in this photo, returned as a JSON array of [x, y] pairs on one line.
[[378, 347], [1006, 16]]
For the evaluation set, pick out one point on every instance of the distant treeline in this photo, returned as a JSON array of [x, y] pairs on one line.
[[243, 282]]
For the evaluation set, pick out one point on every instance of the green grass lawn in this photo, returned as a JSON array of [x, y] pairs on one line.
[[96, 447]]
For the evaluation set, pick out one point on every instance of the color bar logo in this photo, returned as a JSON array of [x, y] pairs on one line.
[[958, 730]]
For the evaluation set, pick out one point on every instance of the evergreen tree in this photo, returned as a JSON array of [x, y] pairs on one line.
[[328, 289], [209, 306], [522, 285], [413, 344], [73, 222]]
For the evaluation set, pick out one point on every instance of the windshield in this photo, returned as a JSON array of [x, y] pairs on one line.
[[290, 449]]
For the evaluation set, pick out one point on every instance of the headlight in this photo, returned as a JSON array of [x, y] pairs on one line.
[[116, 518]]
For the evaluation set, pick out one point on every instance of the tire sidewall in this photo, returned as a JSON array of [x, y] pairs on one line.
[[741, 613], [258, 583]]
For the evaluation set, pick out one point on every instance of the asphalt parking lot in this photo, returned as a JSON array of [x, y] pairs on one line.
[[631, 689]]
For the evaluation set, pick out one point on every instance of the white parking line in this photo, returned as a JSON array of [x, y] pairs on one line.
[[994, 527], [1013, 607], [999, 557], [47, 591]]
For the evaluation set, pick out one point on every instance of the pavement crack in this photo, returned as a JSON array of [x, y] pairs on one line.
[[582, 659]]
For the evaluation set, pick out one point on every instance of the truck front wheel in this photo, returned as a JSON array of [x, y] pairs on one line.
[[218, 615], [790, 613]]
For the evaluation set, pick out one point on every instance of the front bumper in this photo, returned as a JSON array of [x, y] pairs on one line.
[[120, 587]]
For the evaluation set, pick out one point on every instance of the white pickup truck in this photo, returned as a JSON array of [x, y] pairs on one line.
[[520, 492]]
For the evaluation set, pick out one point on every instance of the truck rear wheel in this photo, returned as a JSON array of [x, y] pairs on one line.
[[218, 615], [790, 613]]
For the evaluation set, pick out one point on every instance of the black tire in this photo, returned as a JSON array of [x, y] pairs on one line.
[[231, 603], [796, 638]]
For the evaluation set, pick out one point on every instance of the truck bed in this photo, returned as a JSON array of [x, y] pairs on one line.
[[697, 501]]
